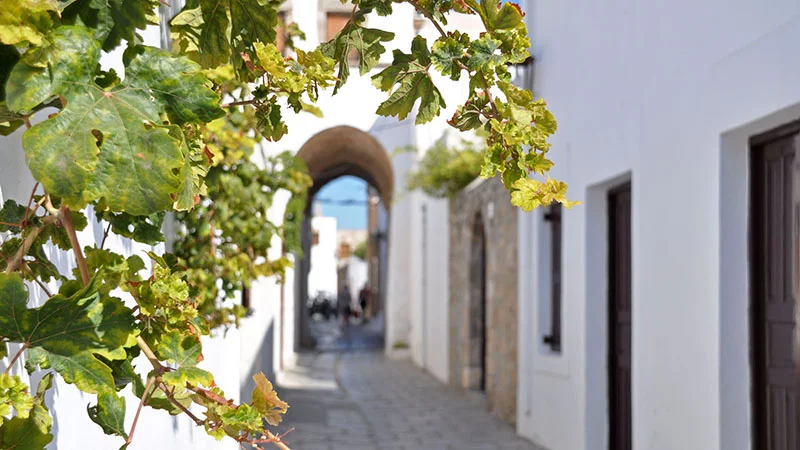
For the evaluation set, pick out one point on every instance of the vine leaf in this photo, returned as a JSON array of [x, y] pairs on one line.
[[447, 53], [14, 394], [183, 350], [485, 55], [182, 376], [33, 431], [109, 413], [66, 325], [111, 144], [530, 193], [366, 41], [496, 16], [410, 72], [25, 21], [83, 369], [266, 401]]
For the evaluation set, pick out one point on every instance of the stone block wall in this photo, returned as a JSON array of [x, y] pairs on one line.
[[488, 202]]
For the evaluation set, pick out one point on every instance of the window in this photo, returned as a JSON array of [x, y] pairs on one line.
[[553, 218]]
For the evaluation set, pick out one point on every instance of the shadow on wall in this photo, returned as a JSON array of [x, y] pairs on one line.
[[263, 362]]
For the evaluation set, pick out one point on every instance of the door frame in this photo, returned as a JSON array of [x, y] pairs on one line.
[[612, 309], [756, 253]]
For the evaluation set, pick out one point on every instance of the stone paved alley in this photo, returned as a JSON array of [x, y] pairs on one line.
[[360, 399]]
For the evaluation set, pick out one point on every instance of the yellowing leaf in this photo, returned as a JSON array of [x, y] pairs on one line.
[[266, 400]]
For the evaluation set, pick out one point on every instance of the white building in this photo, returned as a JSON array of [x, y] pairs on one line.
[[673, 98], [322, 277]]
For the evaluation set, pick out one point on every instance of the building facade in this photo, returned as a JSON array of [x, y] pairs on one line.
[[678, 295]]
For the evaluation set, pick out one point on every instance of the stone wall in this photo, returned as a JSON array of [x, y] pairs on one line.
[[484, 203]]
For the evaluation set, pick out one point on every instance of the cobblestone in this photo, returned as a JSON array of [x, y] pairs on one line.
[[363, 400]]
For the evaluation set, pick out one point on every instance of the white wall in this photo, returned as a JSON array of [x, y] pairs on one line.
[[323, 277], [665, 94], [233, 358], [431, 343]]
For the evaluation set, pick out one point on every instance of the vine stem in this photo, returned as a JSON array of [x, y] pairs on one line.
[[150, 382], [274, 440], [416, 6], [105, 236], [14, 263], [172, 400], [16, 357], [65, 217], [240, 103], [148, 352]]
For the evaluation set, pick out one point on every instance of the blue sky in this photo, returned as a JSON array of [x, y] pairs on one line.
[[348, 217]]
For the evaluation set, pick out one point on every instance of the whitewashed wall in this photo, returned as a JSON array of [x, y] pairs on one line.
[[666, 94], [156, 429], [323, 277]]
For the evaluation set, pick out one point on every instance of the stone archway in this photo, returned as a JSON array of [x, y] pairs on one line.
[[330, 154]]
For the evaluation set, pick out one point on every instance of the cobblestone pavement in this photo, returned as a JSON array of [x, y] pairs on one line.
[[363, 400]]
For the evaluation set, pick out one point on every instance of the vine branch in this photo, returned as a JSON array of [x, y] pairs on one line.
[[145, 395], [16, 357], [65, 217]]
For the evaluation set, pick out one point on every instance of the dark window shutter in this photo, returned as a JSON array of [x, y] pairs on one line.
[[553, 217]]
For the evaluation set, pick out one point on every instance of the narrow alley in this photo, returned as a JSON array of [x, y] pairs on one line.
[[352, 396]]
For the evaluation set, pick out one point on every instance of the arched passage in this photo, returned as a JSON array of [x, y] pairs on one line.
[[330, 154]]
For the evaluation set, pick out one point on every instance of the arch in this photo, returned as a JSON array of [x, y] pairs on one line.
[[344, 150], [477, 305], [330, 154]]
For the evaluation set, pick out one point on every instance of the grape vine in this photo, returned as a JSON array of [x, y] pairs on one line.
[[179, 133]]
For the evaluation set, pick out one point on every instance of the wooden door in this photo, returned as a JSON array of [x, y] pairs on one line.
[[774, 254], [619, 327]]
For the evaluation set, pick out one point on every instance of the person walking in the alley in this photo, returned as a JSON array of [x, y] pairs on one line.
[[344, 305], [363, 297]]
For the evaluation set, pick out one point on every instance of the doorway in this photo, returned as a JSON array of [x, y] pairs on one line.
[[774, 223], [619, 315], [477, 305]]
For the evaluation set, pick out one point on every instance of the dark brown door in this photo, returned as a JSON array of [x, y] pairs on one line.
[[478, 303], [619, 327], [774, 247]]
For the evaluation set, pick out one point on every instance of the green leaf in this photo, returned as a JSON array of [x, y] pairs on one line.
[[109, 413], [11, 213], [14, 394], [179, 377], [110, 144], [254, 20], [82, 369], [366, 41], [411, 73], [144, 229], [496, 16], [485, 54], [183, 350], [177, 82], [469, 115], [65, 324], [33, 431], [446, 54], [215, 49], [25, 21]]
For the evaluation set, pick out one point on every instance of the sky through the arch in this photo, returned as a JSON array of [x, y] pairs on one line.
[[348, 216]]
